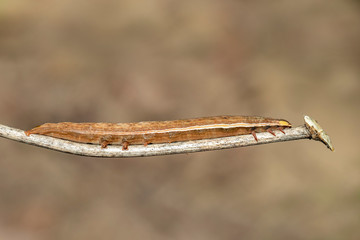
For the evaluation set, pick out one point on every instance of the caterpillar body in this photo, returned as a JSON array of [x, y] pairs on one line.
[[160, 131]]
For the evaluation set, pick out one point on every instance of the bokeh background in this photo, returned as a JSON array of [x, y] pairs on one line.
[[129, 61]]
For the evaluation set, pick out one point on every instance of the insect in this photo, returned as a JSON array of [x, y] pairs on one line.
[[160, 131]]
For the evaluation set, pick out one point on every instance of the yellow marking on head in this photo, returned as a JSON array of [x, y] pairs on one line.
[[284, 123]]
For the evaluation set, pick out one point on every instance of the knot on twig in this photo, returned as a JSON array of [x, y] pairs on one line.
[[317, 132]]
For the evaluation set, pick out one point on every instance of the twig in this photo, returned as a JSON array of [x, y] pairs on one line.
[[302, 132]]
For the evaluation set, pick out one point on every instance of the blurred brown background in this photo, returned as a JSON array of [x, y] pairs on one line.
[[128, 61]]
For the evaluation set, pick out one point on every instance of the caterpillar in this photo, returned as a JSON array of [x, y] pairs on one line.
[[148, 132]]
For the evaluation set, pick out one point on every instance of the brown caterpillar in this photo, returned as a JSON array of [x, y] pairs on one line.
[[160, 131]]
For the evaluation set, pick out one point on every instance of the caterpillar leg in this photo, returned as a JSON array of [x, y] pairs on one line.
[[270, 131], [281, 130], [125, 145], [254, 134], [104, 144]]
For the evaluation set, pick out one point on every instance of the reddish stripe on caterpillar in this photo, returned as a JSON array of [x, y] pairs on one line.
[[160, 131]]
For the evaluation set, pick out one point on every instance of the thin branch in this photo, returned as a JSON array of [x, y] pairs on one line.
[[297, 133]]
